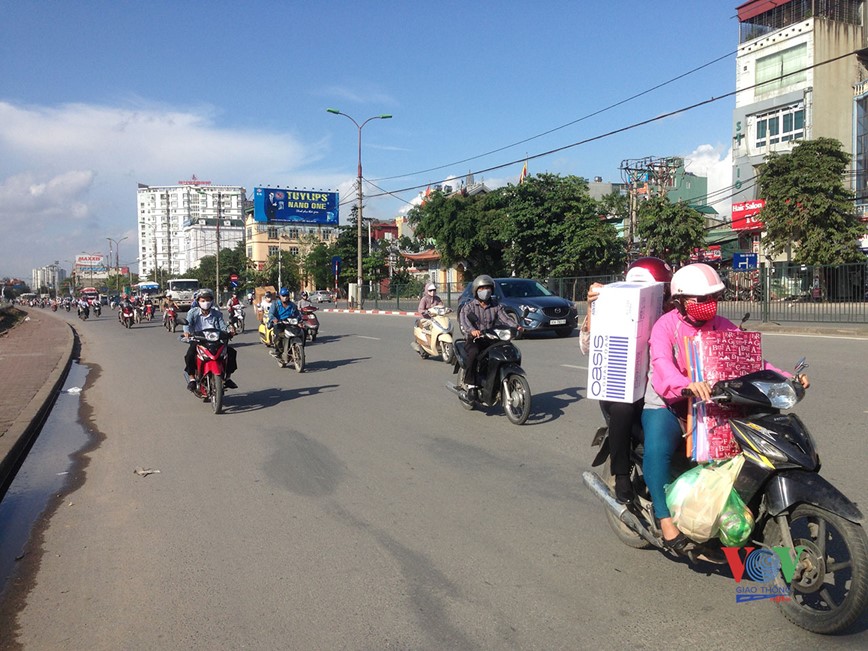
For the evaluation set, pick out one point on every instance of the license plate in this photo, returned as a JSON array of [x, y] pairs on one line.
[[558, 322]]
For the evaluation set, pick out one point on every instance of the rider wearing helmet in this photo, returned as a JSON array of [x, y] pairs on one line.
[[264, 306], [624, 419], [428, 300], [482, 312], [304, 302], [280, 310], [202, 316], [695, 292]]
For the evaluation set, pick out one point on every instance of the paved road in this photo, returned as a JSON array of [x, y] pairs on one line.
[[358, 506]]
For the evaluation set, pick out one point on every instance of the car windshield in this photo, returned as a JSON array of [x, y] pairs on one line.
[[523, 289], [184, 285]]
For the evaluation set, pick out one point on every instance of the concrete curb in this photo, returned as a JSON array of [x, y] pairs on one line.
[[19, 438], [352, 311]]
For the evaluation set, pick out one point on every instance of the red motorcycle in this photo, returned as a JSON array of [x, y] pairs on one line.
[[126, 316], [211, 354], [149, 311], [309, 322], [169, 318]]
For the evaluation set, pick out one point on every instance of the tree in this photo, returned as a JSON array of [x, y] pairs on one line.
[[317, 265], [670, 231], [808, 204]]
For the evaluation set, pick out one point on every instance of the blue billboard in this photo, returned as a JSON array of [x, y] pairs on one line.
[[295, 206]]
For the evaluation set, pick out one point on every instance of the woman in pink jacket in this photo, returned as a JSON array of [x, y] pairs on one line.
[[695, 292]]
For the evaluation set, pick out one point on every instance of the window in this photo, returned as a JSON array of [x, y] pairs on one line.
[[781, 125], [249, 233], [272, 232], [327, 234], [273, 250], [293, 233], [293, 250], [249, 251], [774, 71]]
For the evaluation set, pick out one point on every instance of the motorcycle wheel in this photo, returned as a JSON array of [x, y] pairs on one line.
[[447, 351], [829, 591], [312, 335], [517, 407], [215, 392], [241, 326], [298, 356], [624, 533]]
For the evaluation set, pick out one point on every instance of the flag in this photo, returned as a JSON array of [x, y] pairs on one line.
[[426, 195], [523, 175]]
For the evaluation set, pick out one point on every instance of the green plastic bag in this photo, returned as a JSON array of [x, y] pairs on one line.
[[736, 521], [696, 499]]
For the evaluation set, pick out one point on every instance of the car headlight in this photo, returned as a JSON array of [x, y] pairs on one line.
[[529, 308]]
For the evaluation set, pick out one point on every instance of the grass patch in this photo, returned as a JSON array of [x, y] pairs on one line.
[[9, 316]]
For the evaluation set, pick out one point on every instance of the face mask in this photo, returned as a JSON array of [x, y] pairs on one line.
[[483, 295], [205, 305], [701, 311]]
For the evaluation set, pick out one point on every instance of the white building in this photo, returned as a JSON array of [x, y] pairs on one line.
[[50, 276], [180, 224]]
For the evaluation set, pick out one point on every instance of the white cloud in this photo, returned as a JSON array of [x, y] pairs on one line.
[[68, 173], [715, 163]]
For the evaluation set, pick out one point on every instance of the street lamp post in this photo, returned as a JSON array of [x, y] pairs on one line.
[[117, 244], [385, 116]]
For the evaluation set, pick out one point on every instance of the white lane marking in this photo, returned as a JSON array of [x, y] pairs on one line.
[[584, 368], [792, 334], [364, 337]]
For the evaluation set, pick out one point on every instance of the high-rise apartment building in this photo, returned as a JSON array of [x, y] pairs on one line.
[[180, 224], [50, 277]]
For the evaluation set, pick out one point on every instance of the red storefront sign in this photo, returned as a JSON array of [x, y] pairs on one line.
[[709, 254], [744, 215]]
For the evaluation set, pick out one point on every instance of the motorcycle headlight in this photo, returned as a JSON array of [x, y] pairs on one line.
[[503, 335], [293, 322], [212, 335], [781, 395]]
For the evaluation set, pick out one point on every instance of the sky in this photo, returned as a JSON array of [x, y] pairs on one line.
[[97, 96]]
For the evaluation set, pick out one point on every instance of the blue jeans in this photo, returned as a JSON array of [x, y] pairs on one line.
[[662, 437]]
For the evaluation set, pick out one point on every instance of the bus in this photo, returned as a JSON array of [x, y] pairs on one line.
[[148, 287], [90, 294]]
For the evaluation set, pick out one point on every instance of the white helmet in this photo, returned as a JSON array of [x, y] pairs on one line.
[[430, 286], [696, 280]]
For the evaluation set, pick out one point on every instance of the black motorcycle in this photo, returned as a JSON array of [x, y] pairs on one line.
[[289, 338], [503, 379], [793, 506]]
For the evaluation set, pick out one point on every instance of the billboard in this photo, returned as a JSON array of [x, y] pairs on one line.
[[295, 206], [91, 264], [744, 215]]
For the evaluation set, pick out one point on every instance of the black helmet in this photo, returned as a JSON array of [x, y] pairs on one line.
[[304, 295], [205, 293], [483, 280]]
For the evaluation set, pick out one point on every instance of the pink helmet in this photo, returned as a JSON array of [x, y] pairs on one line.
[[696, 280], [649, 270]]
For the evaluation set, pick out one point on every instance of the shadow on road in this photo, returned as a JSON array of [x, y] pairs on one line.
[[330, 364], [546, 407], [255, 400]]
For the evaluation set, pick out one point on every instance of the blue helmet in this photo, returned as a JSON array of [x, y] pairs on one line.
[[284, 291]]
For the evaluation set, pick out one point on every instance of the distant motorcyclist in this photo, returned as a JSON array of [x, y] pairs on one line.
[[429, 300], [304, 301], [482, 312], [280, 310], [200, 317]]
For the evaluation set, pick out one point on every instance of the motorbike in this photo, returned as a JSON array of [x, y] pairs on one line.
[[236, 318], [148, 312], [503, 379], [54, 307], [287, 339], [432, 336], [170, 315], [97, 309], [83, 312], [793, 506], [309, 322], [126, 316], [67, 306], [211, 355]]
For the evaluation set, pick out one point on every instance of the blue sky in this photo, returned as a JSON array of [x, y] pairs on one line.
[[97, 96]]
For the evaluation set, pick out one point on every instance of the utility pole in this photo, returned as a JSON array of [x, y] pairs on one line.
[[219, 217], [168, 234]]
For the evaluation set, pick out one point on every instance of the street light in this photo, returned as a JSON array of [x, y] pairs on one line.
[[117, 259], [385, 116]]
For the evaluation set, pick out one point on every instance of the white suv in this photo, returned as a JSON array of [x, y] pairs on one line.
[[321, 296]]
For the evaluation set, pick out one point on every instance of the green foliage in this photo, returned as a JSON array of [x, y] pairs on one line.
[[669, 230], [808, 204], [317, 265]]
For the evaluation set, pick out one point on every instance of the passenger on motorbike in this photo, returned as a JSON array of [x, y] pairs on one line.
[[280, 310], [695, 292], [264, 307], [200, 317], [624, 418], [482, 312]]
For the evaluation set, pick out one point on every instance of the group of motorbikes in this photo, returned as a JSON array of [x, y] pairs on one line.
[[288, 337]]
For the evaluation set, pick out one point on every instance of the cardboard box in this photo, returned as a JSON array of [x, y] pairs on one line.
[[621, 322]]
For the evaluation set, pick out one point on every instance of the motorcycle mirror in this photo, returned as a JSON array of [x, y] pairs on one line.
[[181, 321], [474, 320], [745, 317], [801, 365]]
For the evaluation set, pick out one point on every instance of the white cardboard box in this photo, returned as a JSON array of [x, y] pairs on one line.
[[621, 322]]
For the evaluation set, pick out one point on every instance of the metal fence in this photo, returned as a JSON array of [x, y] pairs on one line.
[[777, 293]]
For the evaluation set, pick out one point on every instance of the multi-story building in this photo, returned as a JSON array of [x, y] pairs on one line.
[[180, 224], [786, 91], [50, 276], [265, 239]]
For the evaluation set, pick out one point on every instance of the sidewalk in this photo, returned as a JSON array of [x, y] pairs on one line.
[[34, 358]]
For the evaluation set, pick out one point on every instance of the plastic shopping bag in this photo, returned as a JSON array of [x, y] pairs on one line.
[[736, 521], [697, 498]]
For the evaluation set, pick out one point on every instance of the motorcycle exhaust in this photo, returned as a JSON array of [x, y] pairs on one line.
[[598, 488]]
